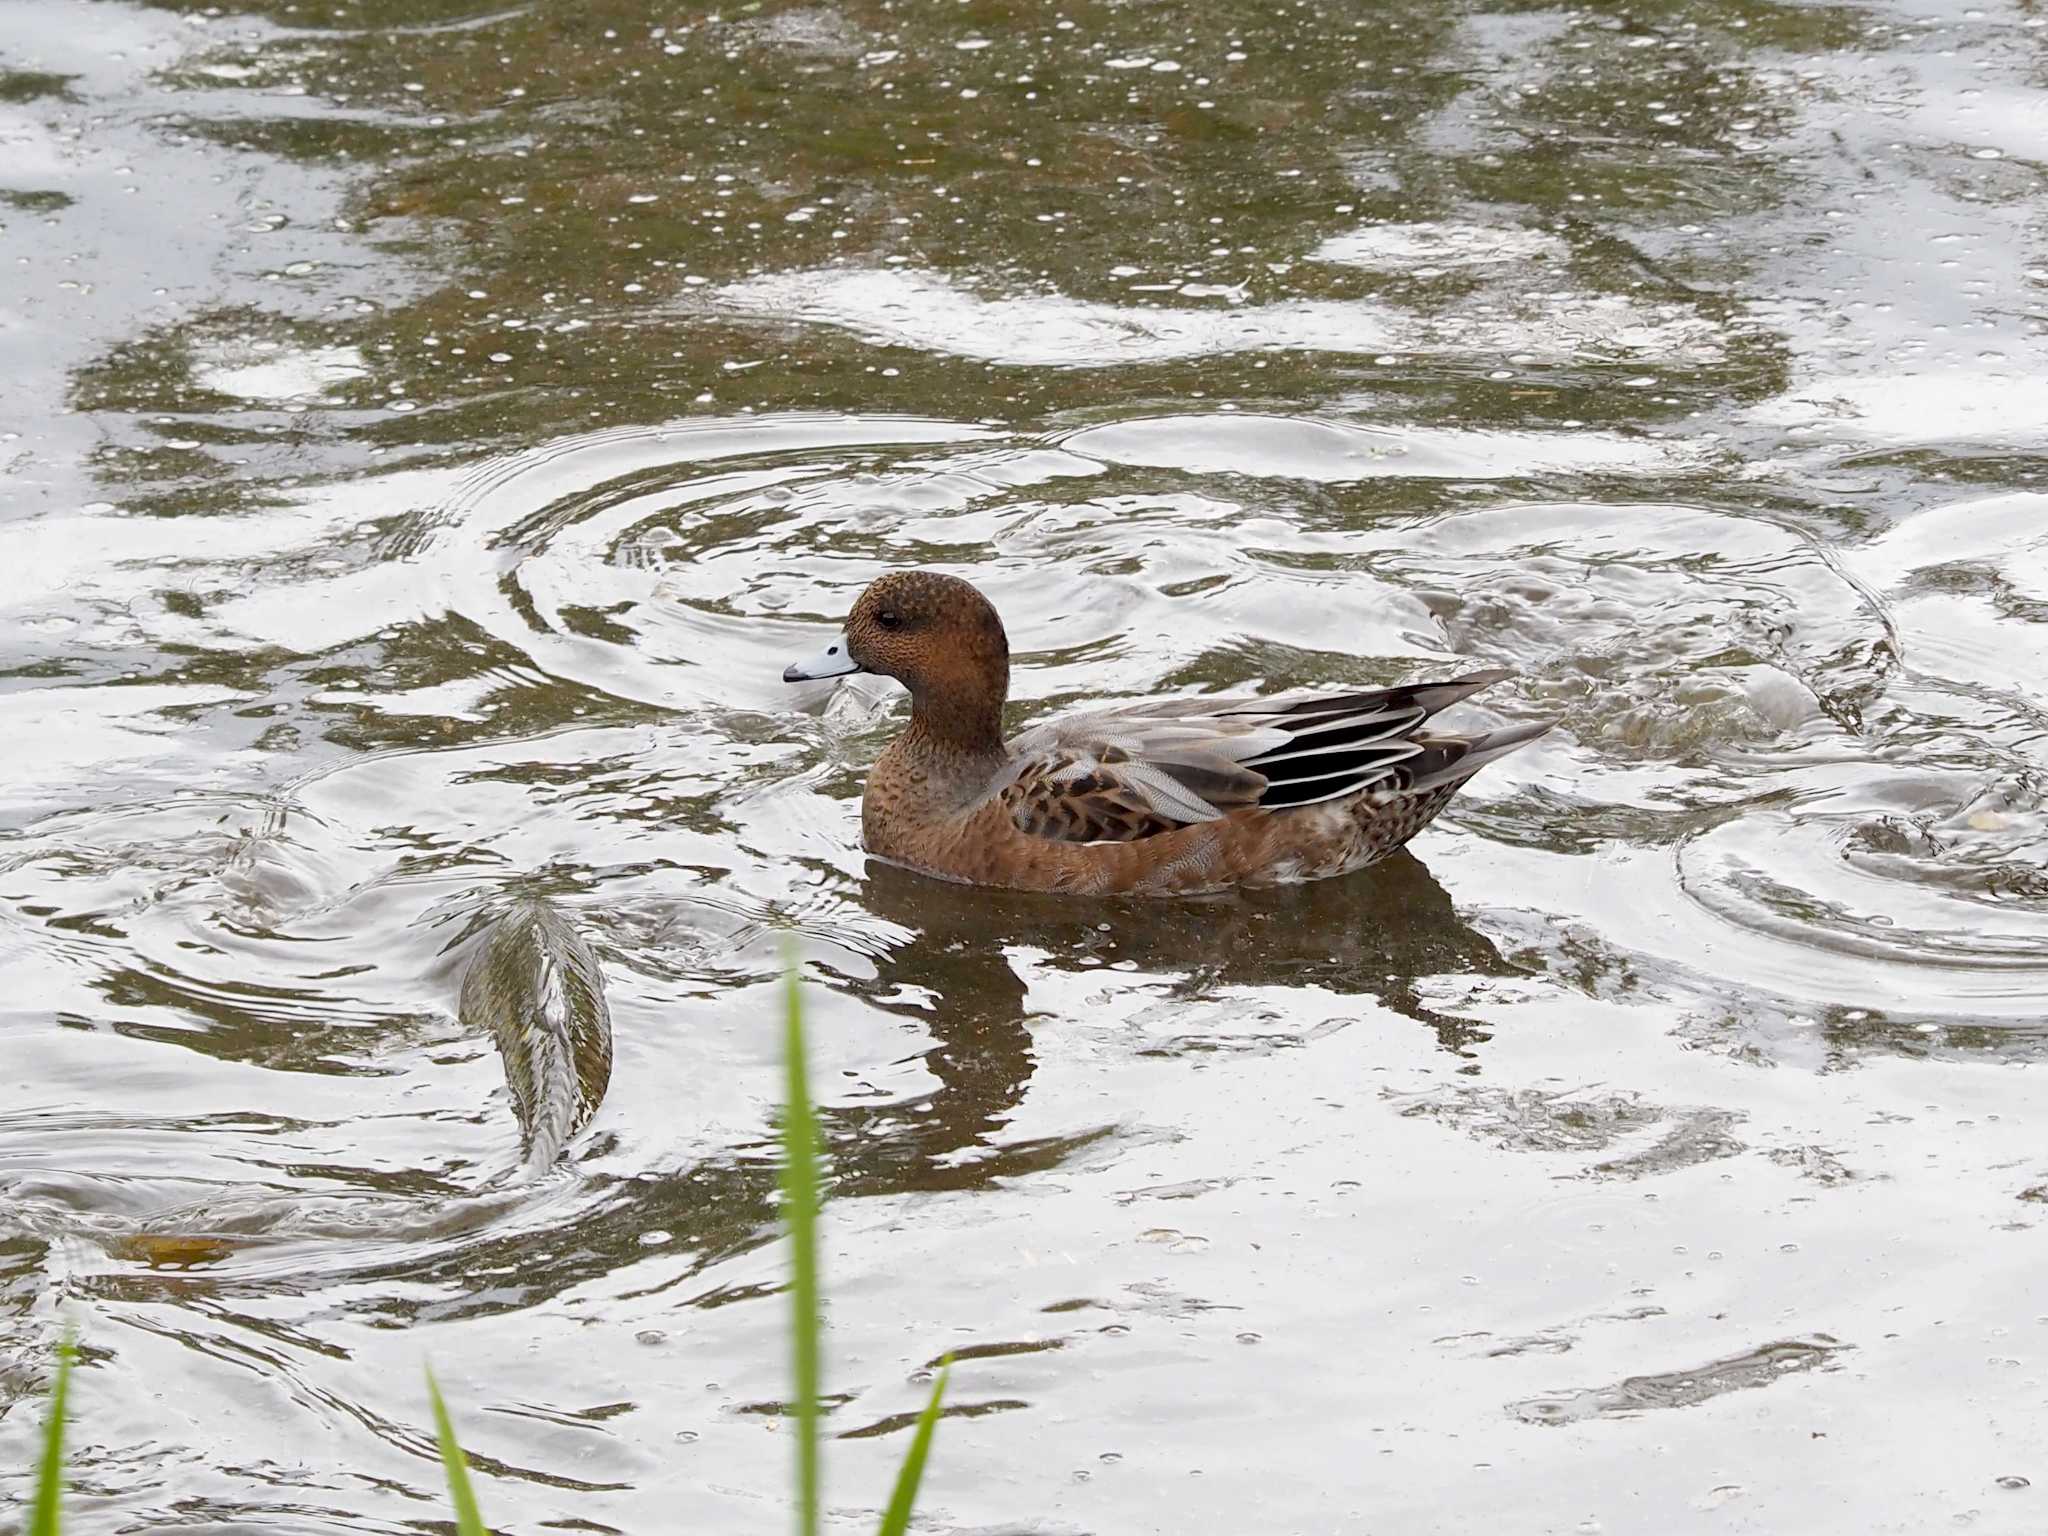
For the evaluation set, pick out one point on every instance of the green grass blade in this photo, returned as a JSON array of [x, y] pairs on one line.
[[800, 1209], [46, 1519], [896, 1519], [467, 1521]]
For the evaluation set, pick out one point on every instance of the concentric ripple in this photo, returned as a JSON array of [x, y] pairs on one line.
[[1775, 796], [1735, 710]]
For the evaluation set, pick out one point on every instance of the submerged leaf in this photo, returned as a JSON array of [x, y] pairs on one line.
[[537, 987]]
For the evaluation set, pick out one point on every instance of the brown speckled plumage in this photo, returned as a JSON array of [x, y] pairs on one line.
[[1173, 796]]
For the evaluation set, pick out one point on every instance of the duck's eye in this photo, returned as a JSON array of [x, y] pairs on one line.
[[889, 618]]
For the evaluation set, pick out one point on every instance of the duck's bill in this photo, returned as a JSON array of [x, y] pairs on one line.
[[836, 660]]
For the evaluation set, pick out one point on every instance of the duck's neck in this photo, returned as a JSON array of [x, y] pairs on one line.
[[939, 767], [955, 732]]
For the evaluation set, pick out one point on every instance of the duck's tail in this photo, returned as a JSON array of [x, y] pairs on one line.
[[1454, 759]]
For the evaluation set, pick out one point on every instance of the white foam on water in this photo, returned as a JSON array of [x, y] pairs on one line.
[[265, 371], [1438, 245], [931, 314], [1334, 452], [1950, 405], [2011, 119]]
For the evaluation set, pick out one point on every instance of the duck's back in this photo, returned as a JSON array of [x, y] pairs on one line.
[[1187, 795]]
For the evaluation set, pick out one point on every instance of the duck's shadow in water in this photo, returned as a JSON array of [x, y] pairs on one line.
[[1375, 934]]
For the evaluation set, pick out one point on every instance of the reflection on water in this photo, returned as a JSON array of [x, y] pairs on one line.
[[429, 433], [1368, 938]]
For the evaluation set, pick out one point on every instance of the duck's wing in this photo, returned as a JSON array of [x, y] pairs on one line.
[[1121, 774]]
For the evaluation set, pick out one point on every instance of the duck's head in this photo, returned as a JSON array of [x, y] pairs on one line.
[[934, 634]]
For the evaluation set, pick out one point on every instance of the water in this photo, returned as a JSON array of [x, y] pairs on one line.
[[430, 430]]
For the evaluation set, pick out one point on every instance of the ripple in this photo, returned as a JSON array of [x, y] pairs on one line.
[[1872, 888], [581, 649], [675, 569]]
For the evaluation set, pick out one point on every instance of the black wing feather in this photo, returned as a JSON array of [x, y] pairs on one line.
[[1339, 744]]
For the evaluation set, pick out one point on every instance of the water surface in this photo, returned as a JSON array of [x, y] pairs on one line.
[[430, 429]]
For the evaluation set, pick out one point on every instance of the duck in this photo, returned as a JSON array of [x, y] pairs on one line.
[[1164, 797]]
